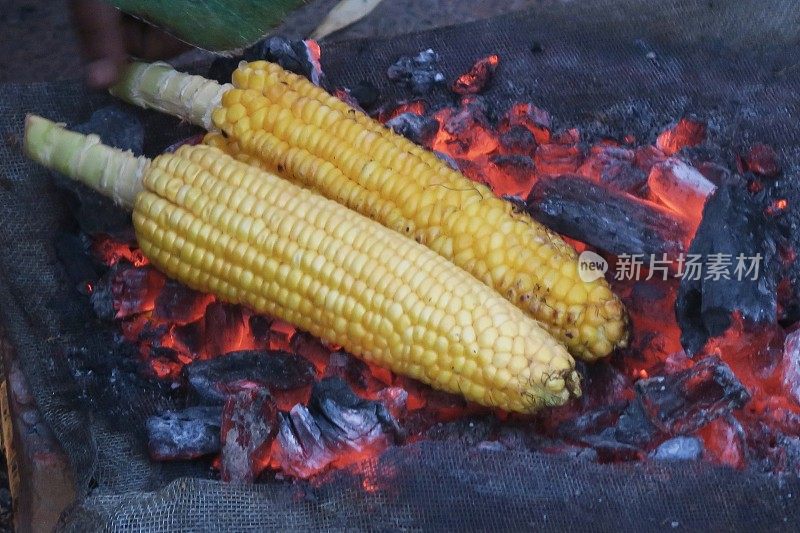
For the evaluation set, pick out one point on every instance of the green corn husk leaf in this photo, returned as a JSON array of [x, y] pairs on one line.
[[217, 25]]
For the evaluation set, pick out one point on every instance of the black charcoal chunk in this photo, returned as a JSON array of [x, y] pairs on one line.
[[416, 128], [678, 449], [418, 73], [733, 224], [683, 402], [607, 219], [292, 55], [634, 427], [72, 251], [276, 370], [184, 435]]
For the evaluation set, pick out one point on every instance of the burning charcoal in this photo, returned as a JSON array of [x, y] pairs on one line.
[[680, 187], [518, 140], [734, 227], [687, 132], [532, 118], [510, 175], [260, 329], [183, 435], [762, 160], [614, 166], [135, 290], [416, 128], [179, 304], [102, 297], [353, 418], [301, 450], [648, 156], [683, 402], [557, 159], [418, 73], [607, 219], [478, 76], [277, 371], [679, 449], [225, 328], [249, 425], [300, 57], [336, 428]]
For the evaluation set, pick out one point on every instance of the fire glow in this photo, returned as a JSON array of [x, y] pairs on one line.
[[729, 404]]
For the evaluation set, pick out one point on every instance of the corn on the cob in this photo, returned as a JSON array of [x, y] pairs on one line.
[[221, 226], [287, 125]]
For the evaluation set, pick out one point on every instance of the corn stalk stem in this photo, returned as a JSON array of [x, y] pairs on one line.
[[114, 173], [159, 86]]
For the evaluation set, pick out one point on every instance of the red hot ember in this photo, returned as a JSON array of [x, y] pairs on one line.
[[478, 76]]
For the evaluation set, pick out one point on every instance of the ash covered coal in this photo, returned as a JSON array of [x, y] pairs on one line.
[[212, 380], [415, 128], [181, 435], [336, 428], [300, 57], [418, 73], [249, 425]]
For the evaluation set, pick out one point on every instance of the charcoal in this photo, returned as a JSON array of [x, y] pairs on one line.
[[292, 55], [418, 73], [687, 132], [336, 424], [134, 290], [610, 450], [761, 159], [591, 422], [604, 218], [518, 140], [416, 128], [184, 435], [352, 418], [679, 449], [685, 401], [477, 78], [301, 449], [634, 426], [733, 224], [556, 159], [249, 425], [179, 304], [276, 371], [614, 167], [225, 326]]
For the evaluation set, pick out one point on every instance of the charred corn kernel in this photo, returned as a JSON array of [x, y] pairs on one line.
[[291, 127], [250, 237]]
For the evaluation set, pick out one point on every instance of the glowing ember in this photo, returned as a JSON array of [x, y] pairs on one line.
[[686, 133]]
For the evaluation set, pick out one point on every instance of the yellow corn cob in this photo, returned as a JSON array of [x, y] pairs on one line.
[[250, 237], [287, 125]]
